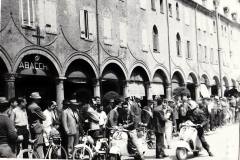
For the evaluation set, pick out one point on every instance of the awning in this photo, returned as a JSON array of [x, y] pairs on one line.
[[157, 89], [110, 76], [175, 85], [77, 77], [190, 79], [204, 91], [136, 89]]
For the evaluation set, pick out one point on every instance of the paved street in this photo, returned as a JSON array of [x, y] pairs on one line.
[[223, 142]]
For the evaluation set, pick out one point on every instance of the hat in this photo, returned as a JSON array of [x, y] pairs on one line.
[[65, 102], [216, 97], [35, 95], [74, 102], [3, 100]]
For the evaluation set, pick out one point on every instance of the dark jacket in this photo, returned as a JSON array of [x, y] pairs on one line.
[[35, 113], [159, 119], [197, 116], [127, 119], [8, 135]]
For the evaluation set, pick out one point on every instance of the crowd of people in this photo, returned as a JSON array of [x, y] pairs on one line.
[[23, 119]]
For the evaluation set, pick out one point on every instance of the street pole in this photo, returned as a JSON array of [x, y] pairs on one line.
[[216, 3]]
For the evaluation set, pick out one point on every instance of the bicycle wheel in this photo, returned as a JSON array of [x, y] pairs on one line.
[[82, 153], [56, 152], [30, 154]]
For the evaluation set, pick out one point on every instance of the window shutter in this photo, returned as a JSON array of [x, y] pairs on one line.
[[123, 34], [24, 10], [82, 23], [144, 40], [107, 30], [50, 16], [143, 4], [92, 26]]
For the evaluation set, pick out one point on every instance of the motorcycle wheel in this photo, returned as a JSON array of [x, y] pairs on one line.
[[195, 153], [181, 153], [114, 157]]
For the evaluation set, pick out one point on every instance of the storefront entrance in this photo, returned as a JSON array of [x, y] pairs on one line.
[[36, 73], [3, 70]]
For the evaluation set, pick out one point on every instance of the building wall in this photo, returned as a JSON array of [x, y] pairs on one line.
[[63, 42]]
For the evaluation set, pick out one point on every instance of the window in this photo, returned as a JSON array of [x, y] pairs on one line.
[[222, 30], [186, 16], [178, 42], [189, 50], [177, 12], [27, 8], [107, 33], [123, 34], [214, 27], [211, 55], [87, 24], [200, 52], [143, 4], [155, 39], [161, 6], [170, 9], [144, 40], [205, 53], [153, 5], [50, 15]]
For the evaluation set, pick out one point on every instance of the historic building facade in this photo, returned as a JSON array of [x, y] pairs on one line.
[[65, 48]]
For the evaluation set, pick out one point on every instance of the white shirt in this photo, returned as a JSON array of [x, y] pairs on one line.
[[19, 117], [102, 118], [47, 124]]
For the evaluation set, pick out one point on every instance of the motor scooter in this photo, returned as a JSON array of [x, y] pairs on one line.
[[188, 141], [118, 144]]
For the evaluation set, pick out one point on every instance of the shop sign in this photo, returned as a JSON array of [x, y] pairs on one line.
[[33, 63]]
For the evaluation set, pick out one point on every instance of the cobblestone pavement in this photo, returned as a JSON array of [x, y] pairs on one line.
[[223, 142]]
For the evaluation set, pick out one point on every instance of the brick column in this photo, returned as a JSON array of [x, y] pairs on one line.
[[60, 91], [10, 85]]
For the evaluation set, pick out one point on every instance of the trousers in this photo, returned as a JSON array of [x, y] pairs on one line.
[[159, 143], [202, 138]]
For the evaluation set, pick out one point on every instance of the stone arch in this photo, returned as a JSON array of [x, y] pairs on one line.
[[6, 59], [205, 80], [41, 51], [116, 62], [83, 57], [164, 71], [140, 65]]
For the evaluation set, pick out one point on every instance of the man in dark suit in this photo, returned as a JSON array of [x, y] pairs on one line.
[[159, 128]]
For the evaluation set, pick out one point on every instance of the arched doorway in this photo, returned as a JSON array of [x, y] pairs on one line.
[[138, 83], [3, 70], [36, 73], [158, 86], [215, 86], [113, 79], [204, 86], [225, 86], [177, 80], [191, 85], [80, 81]]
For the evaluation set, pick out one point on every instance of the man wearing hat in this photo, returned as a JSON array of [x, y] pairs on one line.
[[35, 118], [7, 131], [70, 120], [197, 116]]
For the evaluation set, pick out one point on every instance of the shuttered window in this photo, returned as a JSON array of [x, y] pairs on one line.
[[51, 16], [144, 40], [87, 24], [123, 34], [107, 33], [186, 16], [143, 4], [27, 9]]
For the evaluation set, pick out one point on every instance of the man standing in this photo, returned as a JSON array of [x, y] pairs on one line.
[[20, 120], [35, 118], [159, 128], [12, 104], [7, 131], [70, 122]]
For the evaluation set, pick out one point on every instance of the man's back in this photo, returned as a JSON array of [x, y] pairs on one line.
[[158, 119]]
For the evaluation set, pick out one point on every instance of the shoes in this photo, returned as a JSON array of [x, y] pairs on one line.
[[162, 156], [210, 154]]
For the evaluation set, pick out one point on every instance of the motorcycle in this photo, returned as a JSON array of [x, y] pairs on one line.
[[188, 141], [119, 144]]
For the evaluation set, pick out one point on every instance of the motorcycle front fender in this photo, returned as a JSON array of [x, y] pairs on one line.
[[183, 144], [114, 150]]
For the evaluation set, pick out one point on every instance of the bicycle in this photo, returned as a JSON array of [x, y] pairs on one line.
[[55, 149], [87, 150], [31, 154]]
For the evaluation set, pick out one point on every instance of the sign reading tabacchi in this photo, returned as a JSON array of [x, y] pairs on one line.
[[32, 65]]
